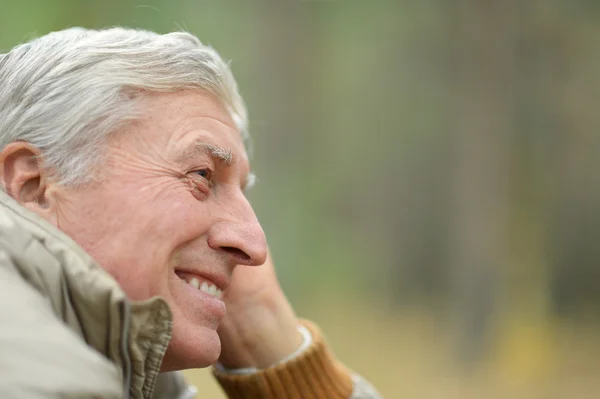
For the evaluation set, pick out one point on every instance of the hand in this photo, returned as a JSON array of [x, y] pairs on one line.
[[260, 327]]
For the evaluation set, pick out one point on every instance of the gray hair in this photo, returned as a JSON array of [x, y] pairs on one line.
[[67, 91]]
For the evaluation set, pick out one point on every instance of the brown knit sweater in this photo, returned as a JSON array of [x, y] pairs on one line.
[[315, 373]]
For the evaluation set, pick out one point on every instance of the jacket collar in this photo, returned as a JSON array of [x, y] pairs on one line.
[[134, 335]]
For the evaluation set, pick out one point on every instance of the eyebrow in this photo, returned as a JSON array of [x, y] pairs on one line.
[[222, 154]]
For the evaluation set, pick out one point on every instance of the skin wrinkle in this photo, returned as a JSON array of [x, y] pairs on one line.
[[216, 122], [156, 167]]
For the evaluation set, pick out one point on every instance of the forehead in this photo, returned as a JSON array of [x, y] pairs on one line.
[[178, 121]]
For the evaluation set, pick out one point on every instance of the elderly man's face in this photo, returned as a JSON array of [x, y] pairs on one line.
[[169, 215]]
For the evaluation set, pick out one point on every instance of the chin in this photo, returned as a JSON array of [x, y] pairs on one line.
[[186, 351]]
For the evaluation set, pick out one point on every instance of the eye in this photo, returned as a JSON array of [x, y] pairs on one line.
[[205, 173]]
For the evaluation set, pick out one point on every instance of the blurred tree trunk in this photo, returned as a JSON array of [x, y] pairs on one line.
[[282, 74], [572, 93], [481, 32]]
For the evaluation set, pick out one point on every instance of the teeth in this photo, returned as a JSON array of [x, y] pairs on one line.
[[205, 287]]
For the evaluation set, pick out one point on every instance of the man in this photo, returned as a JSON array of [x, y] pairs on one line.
[[127, 147]]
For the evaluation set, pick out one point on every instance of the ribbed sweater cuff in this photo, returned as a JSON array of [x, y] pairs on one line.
[[313, 374]]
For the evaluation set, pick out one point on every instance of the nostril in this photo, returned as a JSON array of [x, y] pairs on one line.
[[237, 253]]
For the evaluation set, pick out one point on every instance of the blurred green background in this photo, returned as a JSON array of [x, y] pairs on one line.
[[429, 177]]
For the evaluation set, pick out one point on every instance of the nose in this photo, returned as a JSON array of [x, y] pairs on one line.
[[239, 236]]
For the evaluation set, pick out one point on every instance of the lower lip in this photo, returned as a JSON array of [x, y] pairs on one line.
[[200, 301]]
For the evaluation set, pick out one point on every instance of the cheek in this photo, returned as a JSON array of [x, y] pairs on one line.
[[139, 286], [131, 240], [136, 233], [158, 214], [183, 218]]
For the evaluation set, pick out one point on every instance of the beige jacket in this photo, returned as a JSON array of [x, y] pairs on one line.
[[68, 330]]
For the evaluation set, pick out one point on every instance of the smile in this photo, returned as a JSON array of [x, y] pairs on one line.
[[205, 286]]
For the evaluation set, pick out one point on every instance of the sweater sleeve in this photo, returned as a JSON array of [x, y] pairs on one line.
[[314, 374]]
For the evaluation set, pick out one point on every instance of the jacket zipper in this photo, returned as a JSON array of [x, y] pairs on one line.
[[124, 350]]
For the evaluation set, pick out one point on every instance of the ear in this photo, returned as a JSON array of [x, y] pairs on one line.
[[23, 177]]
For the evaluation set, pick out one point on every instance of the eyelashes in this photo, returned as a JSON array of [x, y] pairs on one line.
[[200, 183], [205, 173], [203, 180]]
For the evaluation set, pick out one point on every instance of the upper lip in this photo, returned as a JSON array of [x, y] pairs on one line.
[[221, 280]]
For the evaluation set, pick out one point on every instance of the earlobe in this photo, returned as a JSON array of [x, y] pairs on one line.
[[22, 175]]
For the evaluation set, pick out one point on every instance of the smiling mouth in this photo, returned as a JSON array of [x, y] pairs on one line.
[[205, 286]]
